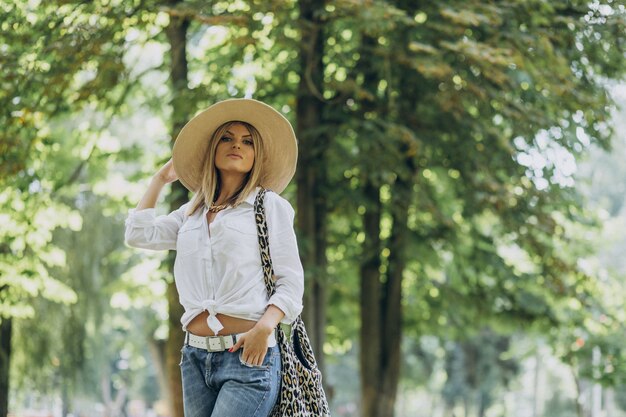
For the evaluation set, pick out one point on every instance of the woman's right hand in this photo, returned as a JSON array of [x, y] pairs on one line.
[[167, 173]]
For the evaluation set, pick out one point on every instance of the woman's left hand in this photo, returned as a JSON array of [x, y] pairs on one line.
[[254, 343]]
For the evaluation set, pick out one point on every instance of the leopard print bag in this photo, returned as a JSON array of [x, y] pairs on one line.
[[301, 392]]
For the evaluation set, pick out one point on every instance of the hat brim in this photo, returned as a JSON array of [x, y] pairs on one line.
[[279, 139]]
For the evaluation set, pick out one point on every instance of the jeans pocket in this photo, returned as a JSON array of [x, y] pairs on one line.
[[265, 365], [182, 355]]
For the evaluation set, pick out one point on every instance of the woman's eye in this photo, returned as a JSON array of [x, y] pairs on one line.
[[248, 142], [225, 139]]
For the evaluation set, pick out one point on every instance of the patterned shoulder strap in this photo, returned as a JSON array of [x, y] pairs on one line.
[[264, 245]]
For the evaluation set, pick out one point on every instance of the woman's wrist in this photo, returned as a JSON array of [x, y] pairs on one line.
[[265, 327], [151, 196], [272, 317]]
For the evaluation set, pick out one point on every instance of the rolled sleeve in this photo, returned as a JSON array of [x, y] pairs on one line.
[[141, 218], [146, 230], [288, 269]]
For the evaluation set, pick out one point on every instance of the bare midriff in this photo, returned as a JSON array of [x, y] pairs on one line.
[[232, 325]]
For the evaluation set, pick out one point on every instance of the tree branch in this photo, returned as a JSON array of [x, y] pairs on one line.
[[223, 20]]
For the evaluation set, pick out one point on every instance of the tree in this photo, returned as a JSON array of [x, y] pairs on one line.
[[310, 175], [465, 95], [431, 140], [58, 60], [476, 371]]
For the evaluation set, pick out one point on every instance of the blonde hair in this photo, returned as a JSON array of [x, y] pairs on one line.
[[210, 186]]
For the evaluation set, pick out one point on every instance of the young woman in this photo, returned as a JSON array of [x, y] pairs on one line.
[[230, 363]]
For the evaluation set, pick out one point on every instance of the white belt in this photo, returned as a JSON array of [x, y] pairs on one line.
[[220, 343]]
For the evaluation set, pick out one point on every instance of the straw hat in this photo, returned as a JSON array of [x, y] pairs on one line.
[[279, 139]]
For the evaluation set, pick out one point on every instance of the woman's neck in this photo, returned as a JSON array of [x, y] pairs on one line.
[[229, 185]]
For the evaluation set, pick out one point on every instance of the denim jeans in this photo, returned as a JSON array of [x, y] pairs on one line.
[[219, 384]]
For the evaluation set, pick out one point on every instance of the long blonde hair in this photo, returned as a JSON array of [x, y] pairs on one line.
[[210, 186]]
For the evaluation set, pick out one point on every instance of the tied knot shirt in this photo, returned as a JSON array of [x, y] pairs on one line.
[[218, 265]]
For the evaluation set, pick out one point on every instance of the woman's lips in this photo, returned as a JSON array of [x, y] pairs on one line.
[[232, 155]]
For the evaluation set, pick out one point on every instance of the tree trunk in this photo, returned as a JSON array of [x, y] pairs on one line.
[[381, 300], [181, 110], [311, 174], [536, 387], [482, 405], [65, 400], [5, 356], [392, 297], [596, 388], [371, 351], [579, 408], [173, 346], [381, 306], [400, 109], [157, 352]]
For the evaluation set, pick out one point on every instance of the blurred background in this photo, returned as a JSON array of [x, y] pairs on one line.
[[459, 195]]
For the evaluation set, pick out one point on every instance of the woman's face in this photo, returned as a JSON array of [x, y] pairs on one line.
[[235, 151]]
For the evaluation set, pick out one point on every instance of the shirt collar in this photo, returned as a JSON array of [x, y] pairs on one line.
[[252, 196], [249, 199]]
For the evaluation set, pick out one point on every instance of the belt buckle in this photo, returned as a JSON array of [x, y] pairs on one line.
[[210, 348]]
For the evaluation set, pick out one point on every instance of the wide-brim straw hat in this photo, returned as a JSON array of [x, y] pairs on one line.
[[279, 140]]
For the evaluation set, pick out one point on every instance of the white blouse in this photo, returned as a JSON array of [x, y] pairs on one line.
[[218, 266]]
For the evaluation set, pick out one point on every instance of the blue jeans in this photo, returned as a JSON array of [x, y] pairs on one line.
[[218, 384]]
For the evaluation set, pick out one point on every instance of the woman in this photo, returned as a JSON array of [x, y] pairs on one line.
[[230, 363]]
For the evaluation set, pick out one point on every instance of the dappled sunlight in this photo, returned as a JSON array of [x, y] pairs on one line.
[[460, 198]]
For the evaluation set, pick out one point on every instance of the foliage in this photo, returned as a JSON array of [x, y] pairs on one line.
[[487, 84], [483, 106], [73, 71], [57, 59], [63, 81], [492, 103]]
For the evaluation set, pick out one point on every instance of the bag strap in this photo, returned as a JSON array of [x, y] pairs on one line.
[[264, 245]]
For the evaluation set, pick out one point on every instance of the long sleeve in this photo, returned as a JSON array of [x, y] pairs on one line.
[[285, 257], [146, 230]]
